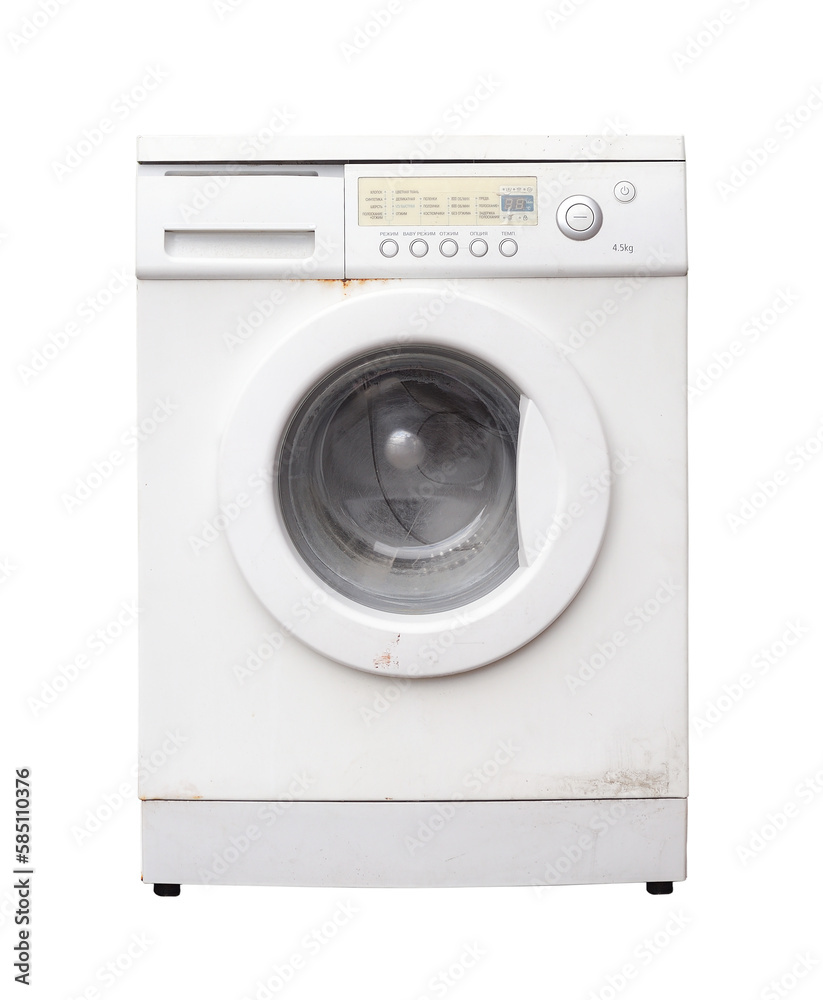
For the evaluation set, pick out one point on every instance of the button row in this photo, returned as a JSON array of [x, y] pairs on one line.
[[448, 248]]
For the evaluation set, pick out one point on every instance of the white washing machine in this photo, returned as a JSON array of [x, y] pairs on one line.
[[413, 534]]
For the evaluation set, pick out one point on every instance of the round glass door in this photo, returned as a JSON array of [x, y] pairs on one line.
[[397, 480], [420, 493]]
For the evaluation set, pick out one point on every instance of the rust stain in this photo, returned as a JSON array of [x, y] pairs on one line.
[[346, 282], [388, 658]]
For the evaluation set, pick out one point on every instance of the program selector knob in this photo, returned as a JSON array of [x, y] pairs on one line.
[[579, 217]]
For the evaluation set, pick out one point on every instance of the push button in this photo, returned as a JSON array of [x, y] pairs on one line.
[[625, 191], [479, 248], [448, 248], [389, 248], [419, 248], [508, 248]]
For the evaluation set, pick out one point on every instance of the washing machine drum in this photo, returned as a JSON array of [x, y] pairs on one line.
[[397, 480]]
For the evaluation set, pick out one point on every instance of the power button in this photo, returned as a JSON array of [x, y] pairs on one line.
[[624, 191]]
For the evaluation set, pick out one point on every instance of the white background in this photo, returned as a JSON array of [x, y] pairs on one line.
[[743, 920]]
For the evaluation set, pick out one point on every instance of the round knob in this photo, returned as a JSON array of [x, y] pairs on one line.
[[579, 217]]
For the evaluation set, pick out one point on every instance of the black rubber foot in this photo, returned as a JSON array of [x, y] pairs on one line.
[[166, 889], [655, 888]]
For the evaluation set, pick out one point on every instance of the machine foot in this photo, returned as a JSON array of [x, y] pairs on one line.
[[167, 889], [659, 888]]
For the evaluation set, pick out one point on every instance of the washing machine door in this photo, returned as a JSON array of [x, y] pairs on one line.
[[414, 506]]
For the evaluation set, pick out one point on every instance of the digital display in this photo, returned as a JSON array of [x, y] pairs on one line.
[[447, 201], [517, 203]]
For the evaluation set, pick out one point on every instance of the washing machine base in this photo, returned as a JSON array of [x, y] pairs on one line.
[[408, 844]]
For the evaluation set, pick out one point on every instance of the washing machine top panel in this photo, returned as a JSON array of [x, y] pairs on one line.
[[408, 219], [271, 144]]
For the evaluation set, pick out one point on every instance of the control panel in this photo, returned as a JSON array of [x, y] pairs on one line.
[[514, 220], [447, 201]]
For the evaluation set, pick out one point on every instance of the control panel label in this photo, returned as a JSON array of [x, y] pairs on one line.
[[447, 201]]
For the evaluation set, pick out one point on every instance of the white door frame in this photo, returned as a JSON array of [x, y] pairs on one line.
[[561, 450]]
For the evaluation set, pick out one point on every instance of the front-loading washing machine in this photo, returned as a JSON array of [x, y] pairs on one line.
[[413, 535]]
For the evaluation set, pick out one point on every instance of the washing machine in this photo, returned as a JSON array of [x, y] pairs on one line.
[[412, 533]]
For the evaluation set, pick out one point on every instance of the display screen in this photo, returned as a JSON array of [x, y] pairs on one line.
[[517, 203], [447, 201]]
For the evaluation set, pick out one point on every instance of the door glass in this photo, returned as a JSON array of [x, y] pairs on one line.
[[396, 480]]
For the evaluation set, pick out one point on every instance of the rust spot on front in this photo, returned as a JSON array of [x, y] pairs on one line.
[[346, 282], [388, 658]]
